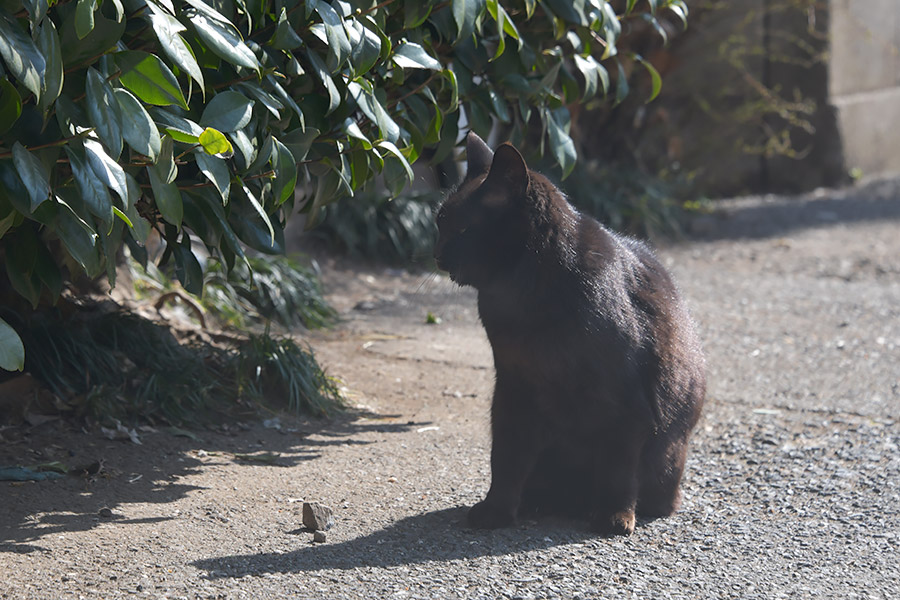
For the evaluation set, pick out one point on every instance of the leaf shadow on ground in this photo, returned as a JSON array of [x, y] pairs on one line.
[[150, 473], [436, 536]]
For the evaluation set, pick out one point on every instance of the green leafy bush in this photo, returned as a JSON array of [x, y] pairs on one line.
[[398, 230], [209, 121]]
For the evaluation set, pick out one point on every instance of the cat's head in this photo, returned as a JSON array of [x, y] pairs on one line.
[[483, 226]]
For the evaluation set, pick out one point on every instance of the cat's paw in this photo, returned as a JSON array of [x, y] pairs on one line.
[[608, 525], [489, 516]]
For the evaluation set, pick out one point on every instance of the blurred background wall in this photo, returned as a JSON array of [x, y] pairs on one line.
[[772, 96]]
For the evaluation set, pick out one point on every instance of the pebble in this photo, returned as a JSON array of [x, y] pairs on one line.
[[317, 517]]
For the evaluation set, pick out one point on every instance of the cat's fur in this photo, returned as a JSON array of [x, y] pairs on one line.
[[599, 374]]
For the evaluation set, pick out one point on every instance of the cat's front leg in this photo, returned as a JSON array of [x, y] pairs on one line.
[[514, 451]]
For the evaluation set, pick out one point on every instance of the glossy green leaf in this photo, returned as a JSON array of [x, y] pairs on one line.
[[415, 13], [215, 143], [365, 48], [167, 198], [300, 140], [138, 128], [334, 96], [94, 193], [223, 40], [227, 111], [253, 231], [286, 98], [259, 209], [33, 175], [103, 111], [168, 31], [181, 129], [12, 352], [106, 169], [187, 267], [561, 145], [48, 41], [393, 150], [370, 106], [10, 105], [77, 235], [285, 38], [84, 18], [655, 79], [123, 217], [410, 55], [211, 205], [20, 54], [216, 171], [465, 14], [37, 9], [680, 8], [149, 78], [285, 167], [165, 165], [335, 34]]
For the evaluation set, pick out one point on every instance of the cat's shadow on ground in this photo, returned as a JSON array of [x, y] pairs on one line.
[[440, 535]]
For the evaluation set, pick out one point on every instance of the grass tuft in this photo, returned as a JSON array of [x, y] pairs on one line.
[[106, 363]]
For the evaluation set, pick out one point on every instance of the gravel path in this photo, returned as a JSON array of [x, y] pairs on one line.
[[791, 490]]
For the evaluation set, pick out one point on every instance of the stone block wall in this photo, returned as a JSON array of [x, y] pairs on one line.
[[864, 82]]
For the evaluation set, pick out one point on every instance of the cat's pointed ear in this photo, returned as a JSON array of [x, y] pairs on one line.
[[478, 156], [509, 171]]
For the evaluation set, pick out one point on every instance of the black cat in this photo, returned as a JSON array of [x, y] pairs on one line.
[[600, 376]]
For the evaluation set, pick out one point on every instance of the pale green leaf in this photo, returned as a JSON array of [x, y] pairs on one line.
[[12, 352], [149, 78], [655, 79], [215, 143], [84, 18]]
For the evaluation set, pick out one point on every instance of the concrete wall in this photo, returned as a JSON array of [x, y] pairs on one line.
[[864, 82]]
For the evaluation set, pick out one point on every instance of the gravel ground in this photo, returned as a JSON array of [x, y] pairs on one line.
[[791, 490]]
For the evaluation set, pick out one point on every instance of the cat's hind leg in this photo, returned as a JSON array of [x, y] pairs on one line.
[[615, 485], [661, 468]]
